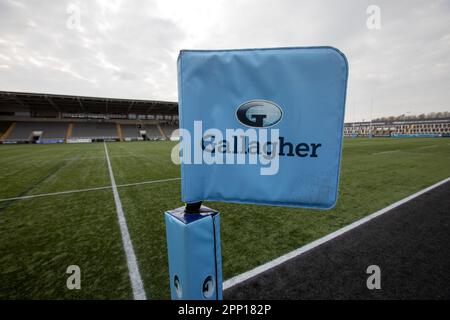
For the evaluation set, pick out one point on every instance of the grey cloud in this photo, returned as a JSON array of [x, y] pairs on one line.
[[50, 56], [131, 50]]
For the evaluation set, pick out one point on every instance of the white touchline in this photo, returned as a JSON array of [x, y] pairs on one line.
[[88, 189], [271, 264], [133, 269]]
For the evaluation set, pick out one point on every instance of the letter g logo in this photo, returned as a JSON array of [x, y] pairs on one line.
[[259, 113]]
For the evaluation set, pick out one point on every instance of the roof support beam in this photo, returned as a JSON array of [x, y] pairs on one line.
[[148, 109], [23, 104], [130, 106], [52, 103], [80, 103]]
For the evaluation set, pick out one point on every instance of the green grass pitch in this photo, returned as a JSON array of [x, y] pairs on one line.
[[40, 237]]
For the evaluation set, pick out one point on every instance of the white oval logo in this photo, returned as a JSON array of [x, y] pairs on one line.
[[259, 113]]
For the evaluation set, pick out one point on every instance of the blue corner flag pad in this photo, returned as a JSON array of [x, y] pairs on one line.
[[195, 261], [262, 126]]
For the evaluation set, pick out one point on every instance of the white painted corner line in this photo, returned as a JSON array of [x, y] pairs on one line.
[[276, 262], [133, 269]]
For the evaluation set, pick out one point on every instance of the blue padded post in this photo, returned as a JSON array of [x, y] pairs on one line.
[[195, 262]]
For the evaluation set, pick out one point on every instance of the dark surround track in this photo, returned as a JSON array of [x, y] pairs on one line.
[[411, 245]]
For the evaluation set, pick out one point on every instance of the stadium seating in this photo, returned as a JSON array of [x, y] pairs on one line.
[[152, 132], [133, 132], [50, 130], [130, 131], [21, 132], [169, 129], [53, 130], [94, 130]]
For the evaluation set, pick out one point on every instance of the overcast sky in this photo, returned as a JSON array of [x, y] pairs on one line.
[[128, 49]]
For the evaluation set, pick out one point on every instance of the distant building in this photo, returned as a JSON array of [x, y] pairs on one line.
[[426, 127]]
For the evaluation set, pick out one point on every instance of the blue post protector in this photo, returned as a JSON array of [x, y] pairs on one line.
[[195, 262]]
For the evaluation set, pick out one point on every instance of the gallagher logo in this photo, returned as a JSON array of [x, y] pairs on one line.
[[259, 113]]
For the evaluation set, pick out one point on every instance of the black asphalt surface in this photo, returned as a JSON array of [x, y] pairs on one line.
[[410, 244]]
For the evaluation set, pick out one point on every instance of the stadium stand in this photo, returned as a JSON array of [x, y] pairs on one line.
[[130, 131], [4, 125], [152, 132], [38, 132], [54, 130], [95, 131], [63, 118], [414, 128], [23, 131], [169, 129], [141, 132]]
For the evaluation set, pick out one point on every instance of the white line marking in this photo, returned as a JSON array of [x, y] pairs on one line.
[[113, 156], [146, 182], [86, 190], [133, 269], [53, 194], [271, 264], [384, 152]]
